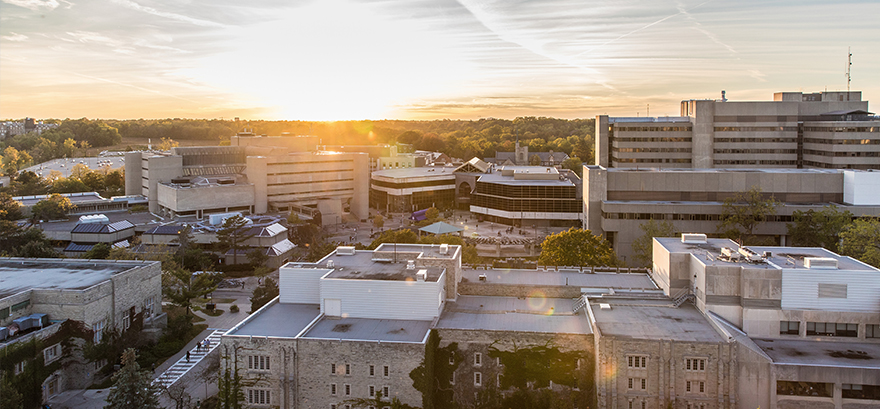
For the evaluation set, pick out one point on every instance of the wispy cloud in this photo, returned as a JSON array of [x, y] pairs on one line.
[[699, 27], [15, 37], [173, 16], [35, 5]]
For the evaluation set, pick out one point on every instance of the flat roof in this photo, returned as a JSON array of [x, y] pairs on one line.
[[780, 257], [141, 220], [362, 266], [652, 319], [532, 314], [723, 170], [278, 320], [22, 274], [497, 178], [75, 198], [366, 329], [45, 168], [417, 172], [821, 352], [561, 278]]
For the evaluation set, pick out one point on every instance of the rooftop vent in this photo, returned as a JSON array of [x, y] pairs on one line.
[[345, 251], [422, 275], [729, 253], [604, 306], [824, 263], [330, 264], [410, 264], [94, 218], [693, 238], [444, 249], [749, 254]]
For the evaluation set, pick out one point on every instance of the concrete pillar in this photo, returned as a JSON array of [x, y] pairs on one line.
[[133, 173], [257, 173], [703, 142], [595, 192], [601, 142], [360, 200]]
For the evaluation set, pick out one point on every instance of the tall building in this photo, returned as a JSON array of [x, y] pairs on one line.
[[831, 130], [618, 200]]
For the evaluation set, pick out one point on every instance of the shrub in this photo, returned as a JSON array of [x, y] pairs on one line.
[[233, 308]]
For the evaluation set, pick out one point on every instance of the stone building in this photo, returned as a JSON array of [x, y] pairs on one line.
[[831, 130], [100, 295]]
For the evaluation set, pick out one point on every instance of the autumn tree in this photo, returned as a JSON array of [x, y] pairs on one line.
[[9, 209], [742, 213], [861, 240], [378, 221], [53, 207], [576, 247], [132, 387], [643, 246], [820, 228], [14, 160]]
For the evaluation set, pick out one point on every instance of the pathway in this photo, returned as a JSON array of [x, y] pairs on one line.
[[184, 364]]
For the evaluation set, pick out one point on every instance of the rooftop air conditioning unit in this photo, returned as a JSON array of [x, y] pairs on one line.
[[824, 263], [410, 264], [345, 251], [693, 238], [422, 275], [749, 254], [729, 253], [444, 249], [330, 264]]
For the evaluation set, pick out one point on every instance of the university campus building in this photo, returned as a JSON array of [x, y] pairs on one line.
[[616, 201]]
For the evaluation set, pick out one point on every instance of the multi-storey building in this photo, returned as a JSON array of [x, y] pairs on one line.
[[412, 189], [795, 130], [203, 180], [528, 195], [92, 295], [617, 201]]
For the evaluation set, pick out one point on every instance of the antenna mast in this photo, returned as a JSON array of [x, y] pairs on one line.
[[848, 70]]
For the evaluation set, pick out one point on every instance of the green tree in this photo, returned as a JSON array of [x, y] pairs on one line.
[[535, 160], [378, 221], [265, 292], [14, 160], [818, 228], [16, 241], [69, 185], [742, 213], [395, 236], [181, 286], [27, 183], [643, 246], [575, 165], [132, 387], [432, 214], [53, 207], [232, 234], [576, 247], [9, 209], [861, 240], [230, 385], [9, 396], [99, 251]]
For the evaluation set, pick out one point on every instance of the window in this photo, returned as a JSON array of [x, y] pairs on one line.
[[498, 381], [871, 392], [634, 361], [695, 386], [19, 367], [799, 388], [333, 389], [258, 362], [386, 391], [498, 362], [149, 305], [827, 290], [372, 391], [347, 390], [478, 359], [644, 404], [372, 370], [98, 330], [637, 384], [833, 329], [452, 380], [332, 406], [789, 327], [872, 331], [451, 360], [52, 353], [386, 371], [478, 379], [126, 321], [332, 369], [695, 364], [348, 369], [259, 397]]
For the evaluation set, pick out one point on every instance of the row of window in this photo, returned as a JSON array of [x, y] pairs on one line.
[[50, 354], [649, 160], [842, 129], [843, 141], [639, 150], [756, 118], [346, 390], [654, 129], [346, 370], [790, 151], [406, 185], [756, 129], [348, 189], [842, 154], [690, 364], [526, 192], [834, 329], [755, 140], [756, 162], [657, 139], [310, 182], [529, 205]]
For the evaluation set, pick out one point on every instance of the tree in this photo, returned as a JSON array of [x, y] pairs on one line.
[[53, 207], [232, 234], [9, 209], [643, 247], [378, 221], [181, 286], [28, 183], [99, 251], [575, 165], [818, 228], [167, 143], [230, 385], [432, 214], [13, 160], [576, 247], [19, 242], [265, 292], [293, 218], [742, 213], [10, 397], [132, 387], [535, 160], [395, 236], [861, 240]]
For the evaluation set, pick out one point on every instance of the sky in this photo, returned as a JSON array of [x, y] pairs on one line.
[[421, 59]]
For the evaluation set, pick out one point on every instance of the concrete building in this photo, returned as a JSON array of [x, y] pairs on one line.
[[293, 143], [617, 201], [86, 234], [204, 180], [804, 319], [412, 189], [821, 130], [528, 195], [84, 203], [99, 295]]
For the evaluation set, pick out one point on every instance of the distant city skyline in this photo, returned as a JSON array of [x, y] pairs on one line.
[[421, 59]]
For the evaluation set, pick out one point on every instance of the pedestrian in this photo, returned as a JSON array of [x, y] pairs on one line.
[[207, 344], [199, 346], [187, 356]]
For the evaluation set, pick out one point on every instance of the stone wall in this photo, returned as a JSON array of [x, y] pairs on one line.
[[515, 290]]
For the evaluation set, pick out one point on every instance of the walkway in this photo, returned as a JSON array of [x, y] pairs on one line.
[[184, 364]]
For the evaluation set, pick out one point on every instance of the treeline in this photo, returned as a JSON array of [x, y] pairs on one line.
[[82, 179], [457, 138]]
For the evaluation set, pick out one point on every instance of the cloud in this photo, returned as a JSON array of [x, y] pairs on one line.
[[36, 5], [15, 37], [699, 27], [173, 16]]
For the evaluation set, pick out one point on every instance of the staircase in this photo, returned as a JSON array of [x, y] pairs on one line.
[[579, 303], [682, 296], [181, 367]]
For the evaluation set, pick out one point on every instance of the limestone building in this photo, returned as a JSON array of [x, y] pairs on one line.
[[618, 200], [253, 179], [796, 130], [99, 295]]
